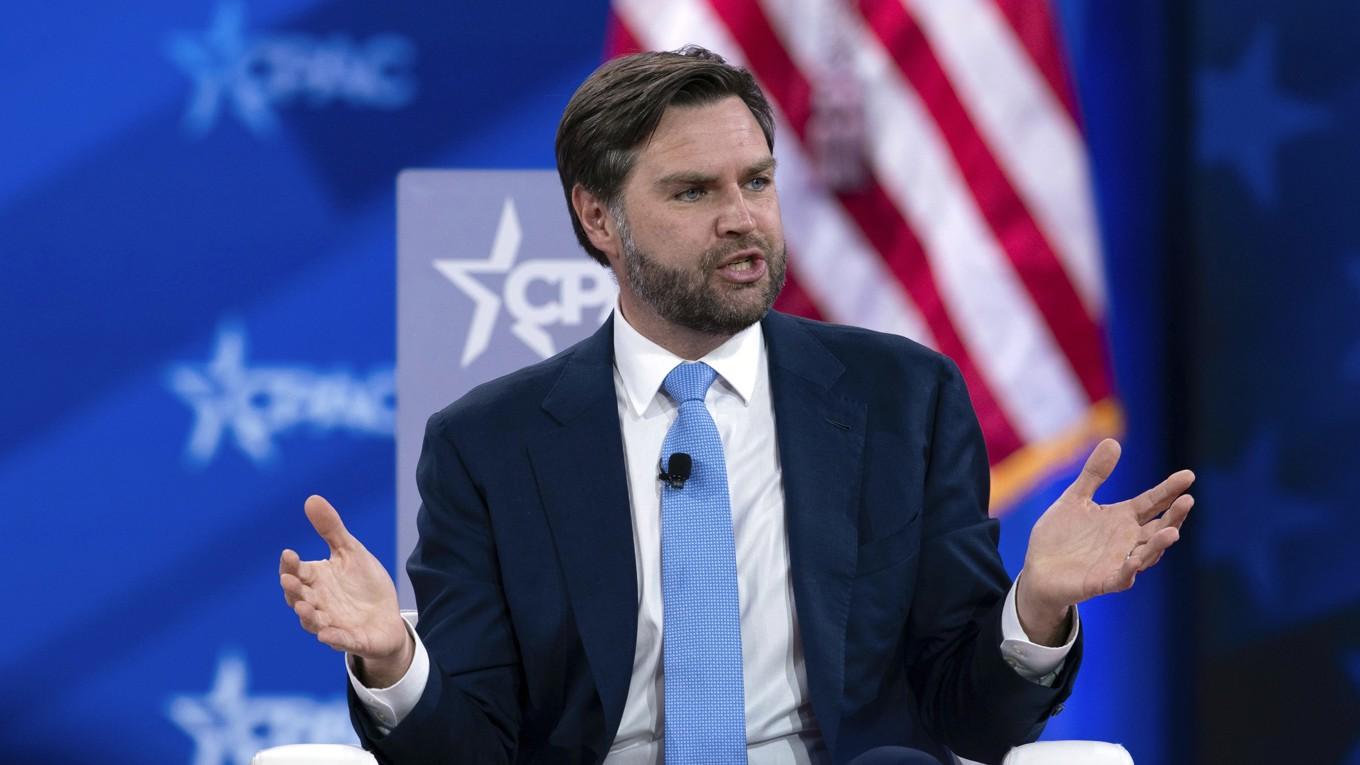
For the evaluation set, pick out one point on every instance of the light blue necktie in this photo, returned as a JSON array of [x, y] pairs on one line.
[[701, 632]]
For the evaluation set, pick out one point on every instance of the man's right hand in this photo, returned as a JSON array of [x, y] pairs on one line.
[[348, 601]]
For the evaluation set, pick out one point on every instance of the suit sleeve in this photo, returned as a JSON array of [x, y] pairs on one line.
[[970, 698], [469, 711]]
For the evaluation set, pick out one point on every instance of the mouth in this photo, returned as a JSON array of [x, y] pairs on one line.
[[743, 267]]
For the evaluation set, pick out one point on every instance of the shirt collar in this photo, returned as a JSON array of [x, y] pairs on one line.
[[643, 365]]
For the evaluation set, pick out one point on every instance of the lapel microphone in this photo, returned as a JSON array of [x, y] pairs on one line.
[[678, 471]]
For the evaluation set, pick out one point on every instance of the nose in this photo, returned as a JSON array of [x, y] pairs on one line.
[[734, 218]]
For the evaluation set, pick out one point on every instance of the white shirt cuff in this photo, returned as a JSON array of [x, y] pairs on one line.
[[1036, 663], [389, 706]]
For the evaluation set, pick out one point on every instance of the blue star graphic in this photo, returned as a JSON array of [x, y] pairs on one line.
[[220, 394], [1250, 518], [1243, 117], [228, 724], [218, 61], [254, 404]]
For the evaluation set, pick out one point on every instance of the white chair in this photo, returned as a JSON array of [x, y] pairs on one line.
[[1074, 752], [313, 754], [1038, 753]]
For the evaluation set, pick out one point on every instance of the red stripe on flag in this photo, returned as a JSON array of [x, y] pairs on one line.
[[1033, 24], [1034, 260], [795, 300], [872, 210], [619, 40]]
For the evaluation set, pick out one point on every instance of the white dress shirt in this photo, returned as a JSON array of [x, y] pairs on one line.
[[779, 723]]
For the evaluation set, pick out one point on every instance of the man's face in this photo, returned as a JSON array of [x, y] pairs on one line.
[[701, 238]]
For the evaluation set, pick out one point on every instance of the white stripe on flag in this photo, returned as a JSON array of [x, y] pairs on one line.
[[841, 272], [1030, 132], [1002, 328]]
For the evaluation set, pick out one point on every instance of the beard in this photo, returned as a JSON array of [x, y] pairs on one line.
[[687, 297]]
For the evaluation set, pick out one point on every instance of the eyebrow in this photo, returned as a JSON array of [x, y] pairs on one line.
[[690, 178]]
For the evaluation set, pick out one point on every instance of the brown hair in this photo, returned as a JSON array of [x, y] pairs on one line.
[[619, 106]]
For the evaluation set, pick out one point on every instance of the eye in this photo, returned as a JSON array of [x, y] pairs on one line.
[[691, 194], [759, 183]]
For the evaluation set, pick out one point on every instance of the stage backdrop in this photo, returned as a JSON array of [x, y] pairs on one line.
[[198, 322]]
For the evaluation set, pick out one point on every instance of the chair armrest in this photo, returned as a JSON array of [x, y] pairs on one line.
[[313, 754], [1068, 753]]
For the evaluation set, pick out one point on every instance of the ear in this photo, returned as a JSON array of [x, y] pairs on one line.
[[596, 221]]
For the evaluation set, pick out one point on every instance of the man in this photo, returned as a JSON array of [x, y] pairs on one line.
[[812, 578]]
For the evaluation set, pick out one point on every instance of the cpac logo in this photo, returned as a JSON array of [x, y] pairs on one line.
[[580, 285], [255, 405], [252, 75], [228, 725]]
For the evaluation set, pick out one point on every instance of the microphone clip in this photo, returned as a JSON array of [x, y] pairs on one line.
[[678, 471]]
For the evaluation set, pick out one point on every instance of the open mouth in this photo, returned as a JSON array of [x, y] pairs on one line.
[[744, 267]]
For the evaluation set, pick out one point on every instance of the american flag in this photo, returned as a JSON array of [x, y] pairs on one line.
[[934, 183]]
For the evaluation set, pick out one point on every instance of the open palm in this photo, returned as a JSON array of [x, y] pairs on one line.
[[348, 600], [1080, 548]]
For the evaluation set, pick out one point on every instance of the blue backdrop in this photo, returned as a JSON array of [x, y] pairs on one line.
[[197, 307]]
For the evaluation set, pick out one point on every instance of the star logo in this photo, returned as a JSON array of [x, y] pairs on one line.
[[504, 250], [1244, 117], [580, 285], [250, 74], [254, 405], [217, 61], [229, 726]]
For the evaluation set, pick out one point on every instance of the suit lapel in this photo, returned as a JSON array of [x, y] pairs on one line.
[[580, 473], [821, 443]]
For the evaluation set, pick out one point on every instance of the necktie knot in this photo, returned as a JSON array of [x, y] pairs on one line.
[[689, 381]]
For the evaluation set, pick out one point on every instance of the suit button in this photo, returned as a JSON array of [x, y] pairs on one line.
[[1056, 709]]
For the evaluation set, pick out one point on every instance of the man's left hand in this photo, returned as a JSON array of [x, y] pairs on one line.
[[1080, 549]]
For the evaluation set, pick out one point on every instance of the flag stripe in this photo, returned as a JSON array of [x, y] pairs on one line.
[[1002, 328], [871, 208], [1033, 24], [793, 299], [619, 40], [1005, 212], [976, 232], [835, 263], [1026, 127]]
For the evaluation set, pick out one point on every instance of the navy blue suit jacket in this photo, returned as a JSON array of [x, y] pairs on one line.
[[524, 572]]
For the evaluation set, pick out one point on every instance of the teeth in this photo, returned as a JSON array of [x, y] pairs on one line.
[[741, 265]]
